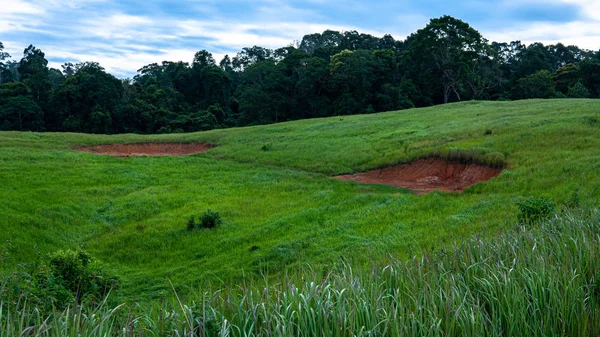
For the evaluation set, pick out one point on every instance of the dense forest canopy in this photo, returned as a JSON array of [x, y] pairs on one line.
[[332, 73]]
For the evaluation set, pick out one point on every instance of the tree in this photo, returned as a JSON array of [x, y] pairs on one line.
[[88, 101], [448, 46], [536, 57], [566, 77], [18, 110], [590, 75], [484, 73], [311, 95], [33, 69], [262, 94], [353, 74], [250, 56], [578, 90], [4, 75], [212, 84], [537, 85]]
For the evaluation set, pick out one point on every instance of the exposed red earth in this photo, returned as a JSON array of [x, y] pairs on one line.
[[148, 149], [427, 175]]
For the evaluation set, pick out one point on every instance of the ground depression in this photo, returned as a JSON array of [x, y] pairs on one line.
[[427, 175], [148, 149]]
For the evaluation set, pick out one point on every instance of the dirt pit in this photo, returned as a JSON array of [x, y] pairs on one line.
[[148, 149], [427, 175]]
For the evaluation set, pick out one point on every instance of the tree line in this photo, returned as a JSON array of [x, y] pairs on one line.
[[326, 74]]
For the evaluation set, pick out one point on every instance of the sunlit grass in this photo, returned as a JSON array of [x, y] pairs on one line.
[[540, 280], [271, 186]]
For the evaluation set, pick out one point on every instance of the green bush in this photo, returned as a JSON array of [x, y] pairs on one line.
[[210, 219], [532, 210], [207, 220], [191, 225], [60, 279]]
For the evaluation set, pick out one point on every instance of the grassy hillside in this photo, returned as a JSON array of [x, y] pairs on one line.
[[272, 187], [531, 281]]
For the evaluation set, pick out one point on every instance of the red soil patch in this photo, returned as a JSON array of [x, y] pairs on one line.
[[427, 175], [149, 149]]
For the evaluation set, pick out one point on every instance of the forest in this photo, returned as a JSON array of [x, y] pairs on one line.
[[327, 74]]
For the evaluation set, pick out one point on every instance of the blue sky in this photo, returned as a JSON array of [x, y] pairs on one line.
[[125, 35]]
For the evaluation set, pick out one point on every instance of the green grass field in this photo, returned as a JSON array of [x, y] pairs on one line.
[[272, 186]]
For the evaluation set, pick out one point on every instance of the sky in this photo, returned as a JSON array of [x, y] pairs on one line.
[[125, 35]]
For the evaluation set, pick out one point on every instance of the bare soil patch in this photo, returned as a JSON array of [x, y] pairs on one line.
[[427, 175], [148, 149]]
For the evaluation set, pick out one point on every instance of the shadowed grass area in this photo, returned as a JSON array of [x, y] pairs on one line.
[[271, 187], [540, 280]]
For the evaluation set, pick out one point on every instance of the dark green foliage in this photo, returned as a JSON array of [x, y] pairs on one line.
[[578, 90], [537, 85], [533, 210], [210, 219], [61, 279], [207, 220], [18, 109], [191, 224]]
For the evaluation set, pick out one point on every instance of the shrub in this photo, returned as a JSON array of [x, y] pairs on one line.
[[210, 219], [60, 279], [532, 210], [191, 225], [207, 220]]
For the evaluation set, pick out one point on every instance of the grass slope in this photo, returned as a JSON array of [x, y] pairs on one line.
[[530, 281], [271, 185]]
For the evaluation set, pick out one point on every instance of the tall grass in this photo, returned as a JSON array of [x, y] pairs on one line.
[[470, 156], [539, 280]]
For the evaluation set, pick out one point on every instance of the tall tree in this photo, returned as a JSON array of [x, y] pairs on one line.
[[88, 101], [33, 69], [449, 46], [18, 110], [485, 73], [4, 74]]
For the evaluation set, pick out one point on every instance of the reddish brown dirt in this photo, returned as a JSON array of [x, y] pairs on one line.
[[149, 149], [427, 175]]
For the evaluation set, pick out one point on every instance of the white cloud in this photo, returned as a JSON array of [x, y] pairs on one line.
[[584, 34], [589, 8]]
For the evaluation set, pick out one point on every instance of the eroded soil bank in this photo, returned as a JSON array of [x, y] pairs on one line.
[[148, 149], [427, 175]]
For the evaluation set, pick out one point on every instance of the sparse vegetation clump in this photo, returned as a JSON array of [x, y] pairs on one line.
[[208, 220], [63, 278], [472, 156], [532, 210]]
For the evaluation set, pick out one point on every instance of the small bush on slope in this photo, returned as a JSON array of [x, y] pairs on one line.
[[208, 220], [63, 278], [532, 210]]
